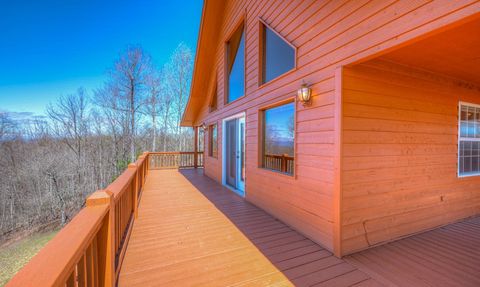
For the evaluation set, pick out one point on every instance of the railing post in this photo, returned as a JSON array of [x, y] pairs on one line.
[[135, 189], [284, 163], [106, 239], [195, 148], [142, 171], [145, 154]]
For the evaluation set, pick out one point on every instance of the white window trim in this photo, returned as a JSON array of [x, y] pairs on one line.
[[459, 138]]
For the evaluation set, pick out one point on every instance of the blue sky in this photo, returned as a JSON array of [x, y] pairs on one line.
[[50, 48]]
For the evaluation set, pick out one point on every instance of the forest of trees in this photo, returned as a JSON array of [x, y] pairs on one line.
[[49, 164]]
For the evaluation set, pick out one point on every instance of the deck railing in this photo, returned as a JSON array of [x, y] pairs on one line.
[[164, 160], [282, 163], [89, 250]]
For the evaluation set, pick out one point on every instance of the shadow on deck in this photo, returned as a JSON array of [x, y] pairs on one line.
[[191, 231]]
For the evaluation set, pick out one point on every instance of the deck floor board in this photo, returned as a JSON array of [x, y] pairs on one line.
[[191, 231], [446, 256]]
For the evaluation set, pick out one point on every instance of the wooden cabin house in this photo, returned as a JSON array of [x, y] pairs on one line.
[[354, 122], [329, 124]]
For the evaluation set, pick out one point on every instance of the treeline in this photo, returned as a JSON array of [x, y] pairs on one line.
[[49, 164]]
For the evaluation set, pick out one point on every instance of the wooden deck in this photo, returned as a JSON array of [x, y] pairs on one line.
[[447, 256], [191, 231]]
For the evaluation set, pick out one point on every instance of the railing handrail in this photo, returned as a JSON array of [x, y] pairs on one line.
[[176, 159], [52, 265], [173, 152], [280, 162], [120, 184], [90, 248], [279, 156], [92, 235]]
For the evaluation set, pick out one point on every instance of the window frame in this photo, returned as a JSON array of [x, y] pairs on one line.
[[242, 23], [210, 140], [464, 139], [261, 137], [262, 25]]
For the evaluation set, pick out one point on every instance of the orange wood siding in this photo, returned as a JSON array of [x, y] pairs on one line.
[[328, 34], [400, 154]]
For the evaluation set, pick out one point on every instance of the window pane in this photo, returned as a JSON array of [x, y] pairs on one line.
[[463, 114], [468, 144], [279, 56], [463, 129], [236, 76], [469, 157], [279, 137], [474, 163], [201, 139], [215, 141], [471, 130], [213, 100], [471, 114], [475, 148], [212, 141]]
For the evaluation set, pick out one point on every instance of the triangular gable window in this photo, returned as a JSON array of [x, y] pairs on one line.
[[236, 65], [212, 106], [278, 55]]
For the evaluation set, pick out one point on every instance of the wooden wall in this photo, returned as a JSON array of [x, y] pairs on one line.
[[328, 34], [399, 165]]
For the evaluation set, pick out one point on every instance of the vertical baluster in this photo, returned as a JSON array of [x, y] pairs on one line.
[[124, 211], [135, 188], [89, 265], [95, 261], [118, 211], [71, 279], [82, 272]]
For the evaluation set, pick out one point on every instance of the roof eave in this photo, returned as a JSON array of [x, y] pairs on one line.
[[203, 55]]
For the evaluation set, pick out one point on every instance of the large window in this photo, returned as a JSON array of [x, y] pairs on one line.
[[201, 140], [212, 105], [469, 140], [278, 138], [278, 55], [212, 141], [236, 65]]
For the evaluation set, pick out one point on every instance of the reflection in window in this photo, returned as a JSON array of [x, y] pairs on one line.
[[278, 55], [236, 65], [469, 140], [212, 106], [278, 138], [201, 140], [212, 141]]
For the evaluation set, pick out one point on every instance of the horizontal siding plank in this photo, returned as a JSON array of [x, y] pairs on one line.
[[400, 154]]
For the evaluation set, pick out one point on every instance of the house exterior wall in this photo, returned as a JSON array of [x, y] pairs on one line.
[[399, 167], [327, 34]]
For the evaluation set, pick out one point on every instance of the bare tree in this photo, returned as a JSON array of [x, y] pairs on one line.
[[127, 86], [178, 78], [69, 120], [6, 126], [166, 104], [152, 107], [49, 165]]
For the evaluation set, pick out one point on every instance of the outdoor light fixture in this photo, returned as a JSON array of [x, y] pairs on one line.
[[203, 126], [305, 95]]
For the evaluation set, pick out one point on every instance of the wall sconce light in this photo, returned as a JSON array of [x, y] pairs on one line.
[[203, 126], [305, 95]]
